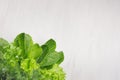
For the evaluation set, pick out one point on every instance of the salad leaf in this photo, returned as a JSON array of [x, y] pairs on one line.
[[29, 65], [44, 53], [61, 57], [3, 44], [52, 58], [51, 44], [25, 60], [35, 51], [24, 42]]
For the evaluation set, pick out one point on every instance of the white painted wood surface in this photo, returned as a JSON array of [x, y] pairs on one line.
[[88, 31]]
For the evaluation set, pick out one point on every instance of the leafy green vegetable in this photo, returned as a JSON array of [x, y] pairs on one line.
[[35, 51], [25, 60], [24, 42], [44, 53], [51, 45], [3, 44], [51, 59]]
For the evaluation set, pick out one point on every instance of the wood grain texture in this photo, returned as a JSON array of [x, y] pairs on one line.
[[88, 31]]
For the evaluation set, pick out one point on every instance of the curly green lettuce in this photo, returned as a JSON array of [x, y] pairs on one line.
[[25, 60]]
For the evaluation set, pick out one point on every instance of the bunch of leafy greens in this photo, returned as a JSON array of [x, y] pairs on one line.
[[25, 60]]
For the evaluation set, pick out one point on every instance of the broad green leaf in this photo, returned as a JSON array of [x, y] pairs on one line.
[[44, 53], [61, 57], [24, 41], [35, 51], [52, 58], [51, 45]]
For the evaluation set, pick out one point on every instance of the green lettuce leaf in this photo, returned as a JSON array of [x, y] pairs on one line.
[[24, 42], [52, 58], [51, 44], [25, 60], [35, 51]]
